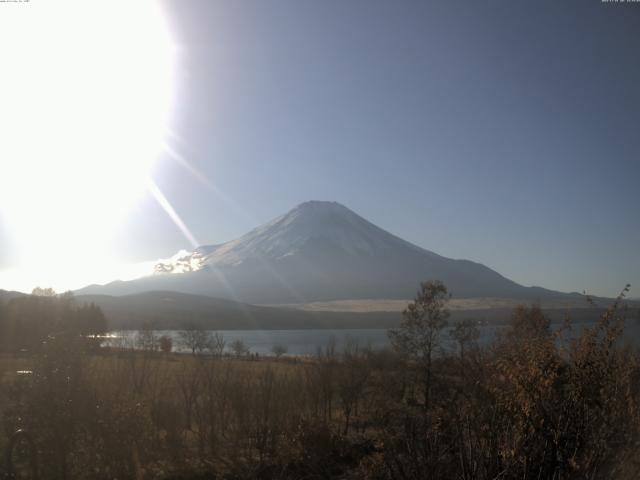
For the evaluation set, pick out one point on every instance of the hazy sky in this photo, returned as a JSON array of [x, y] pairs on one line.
[[503, 132]]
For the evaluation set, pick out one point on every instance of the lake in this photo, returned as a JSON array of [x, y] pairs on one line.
[[307, 342]]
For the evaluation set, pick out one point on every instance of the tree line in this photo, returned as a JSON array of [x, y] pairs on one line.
[[27, 321]]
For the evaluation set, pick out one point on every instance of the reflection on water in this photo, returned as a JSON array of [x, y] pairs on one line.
[[306, 342]]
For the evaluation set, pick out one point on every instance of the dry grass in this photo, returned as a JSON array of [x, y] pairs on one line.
[[455, 304], [535, 405]]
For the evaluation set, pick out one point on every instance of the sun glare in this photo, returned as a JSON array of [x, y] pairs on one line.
[[86, 91]]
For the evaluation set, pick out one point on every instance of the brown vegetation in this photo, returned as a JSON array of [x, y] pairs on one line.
[[536, 404]]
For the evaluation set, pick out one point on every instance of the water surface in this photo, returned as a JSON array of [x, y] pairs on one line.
[[307, 342]]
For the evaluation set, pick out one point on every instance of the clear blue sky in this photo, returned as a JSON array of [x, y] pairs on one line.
[[503, 132]]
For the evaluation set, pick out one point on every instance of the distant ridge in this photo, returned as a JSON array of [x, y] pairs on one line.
[[320, 251], [172, 310], [6, 295]]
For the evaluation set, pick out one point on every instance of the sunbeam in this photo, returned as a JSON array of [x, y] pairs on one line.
[[170, 211]]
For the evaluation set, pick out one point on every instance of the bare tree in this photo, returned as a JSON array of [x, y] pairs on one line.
[[322, 377], [166, 344], [418, 336], [216, 344], [189, 379], [278, 350], [146, 339], [43, 292], [239, 348], [465, 332], [195, 339], [353, 373]]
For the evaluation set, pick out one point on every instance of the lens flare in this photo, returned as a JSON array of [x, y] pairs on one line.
[[87, 90]]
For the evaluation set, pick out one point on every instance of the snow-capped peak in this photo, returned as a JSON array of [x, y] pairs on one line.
[[329, 223]]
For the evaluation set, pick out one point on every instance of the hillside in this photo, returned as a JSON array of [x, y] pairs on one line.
[[171, 310]]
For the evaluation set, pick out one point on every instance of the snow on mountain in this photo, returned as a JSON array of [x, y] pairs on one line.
[[181, 262], [318, 251], [288, 234]]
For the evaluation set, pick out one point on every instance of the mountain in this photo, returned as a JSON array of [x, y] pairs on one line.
[[173, 310], [316, 252]]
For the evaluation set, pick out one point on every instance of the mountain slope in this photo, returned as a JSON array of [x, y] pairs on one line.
[[6, 295], [319, 251], [172, 310]]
